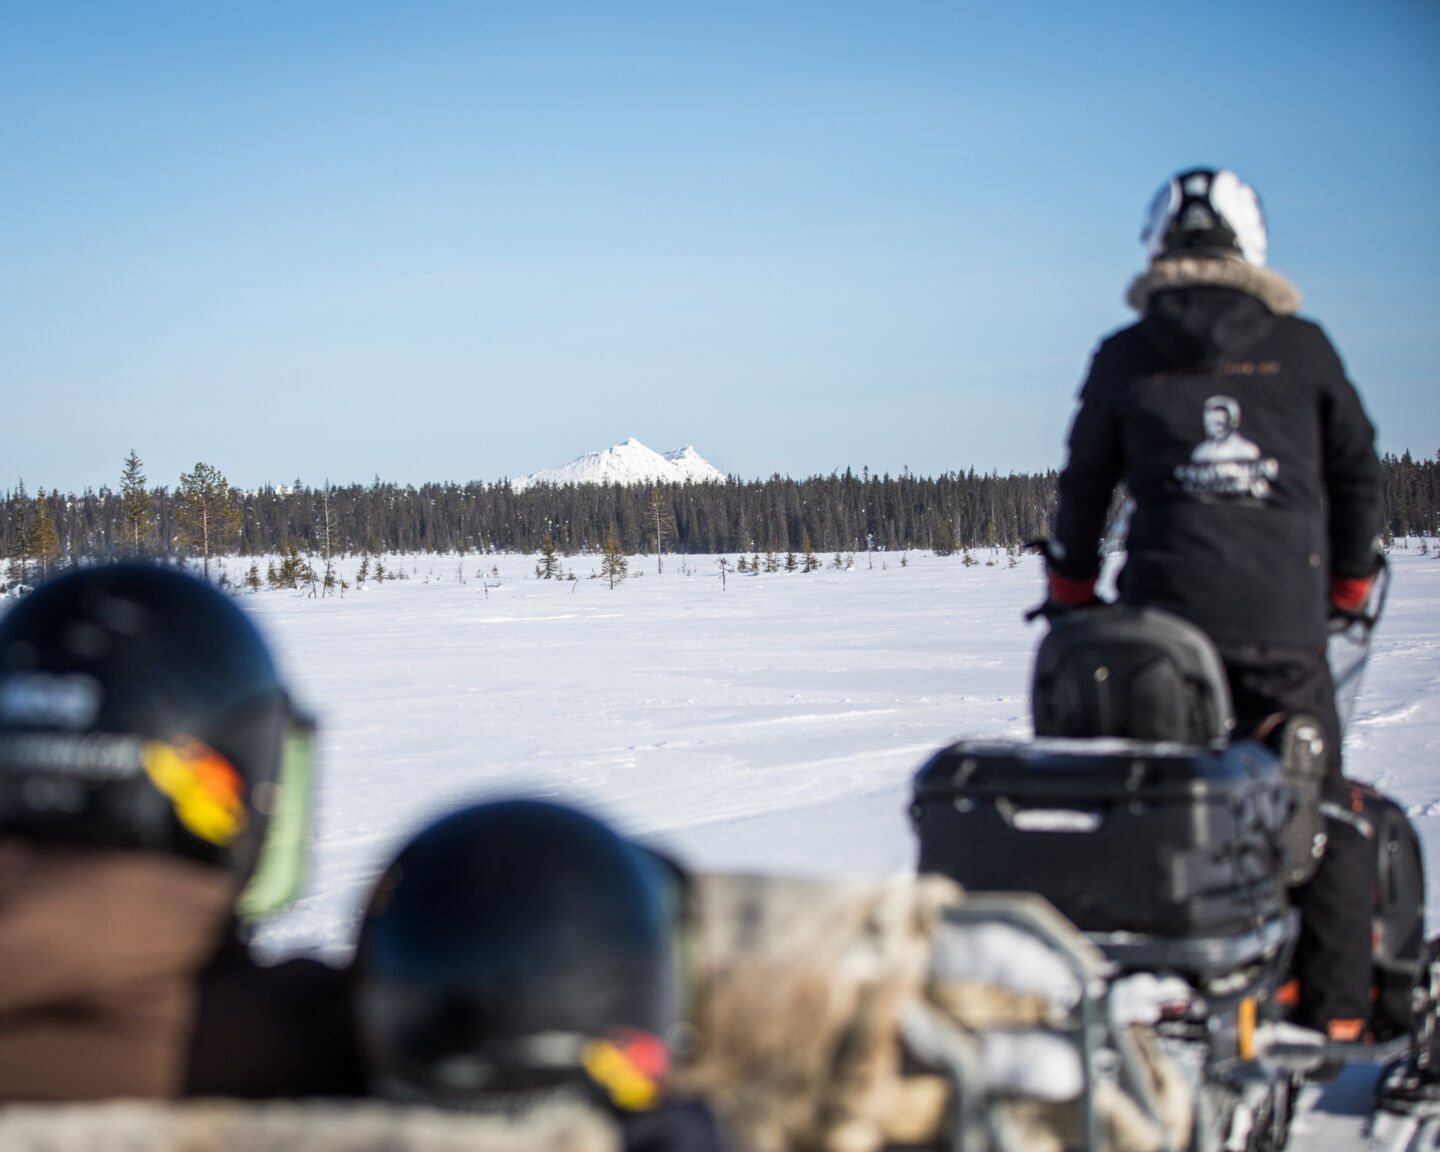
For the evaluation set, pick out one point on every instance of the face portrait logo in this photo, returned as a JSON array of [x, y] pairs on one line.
[[206, 790], [1226, 465]]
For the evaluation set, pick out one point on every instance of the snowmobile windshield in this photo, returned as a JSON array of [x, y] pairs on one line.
[[1347, 649]]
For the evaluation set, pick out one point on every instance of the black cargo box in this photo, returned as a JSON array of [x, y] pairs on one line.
[[1120, 835]]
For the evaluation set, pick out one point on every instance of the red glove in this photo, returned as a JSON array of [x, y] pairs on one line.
[[1063, 590], [1348, 593]]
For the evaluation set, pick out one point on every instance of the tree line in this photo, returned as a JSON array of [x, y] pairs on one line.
[[1412, 496], [204, 516]]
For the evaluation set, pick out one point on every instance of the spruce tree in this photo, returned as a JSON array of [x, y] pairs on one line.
[[295, 570], [943, 538], [613, 565], [548, 567], [811, 561], [135, 505], [41, 542], [205, 512]]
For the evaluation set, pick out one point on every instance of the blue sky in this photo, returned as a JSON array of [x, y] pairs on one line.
[[465, 241]]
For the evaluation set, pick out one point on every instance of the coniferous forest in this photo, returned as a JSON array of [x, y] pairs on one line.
[[836, 513]]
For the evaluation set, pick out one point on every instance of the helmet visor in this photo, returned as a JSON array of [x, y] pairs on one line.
[[286, 802]]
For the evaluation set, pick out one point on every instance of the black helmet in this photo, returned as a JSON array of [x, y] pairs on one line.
[[139, 708], [514, 947]]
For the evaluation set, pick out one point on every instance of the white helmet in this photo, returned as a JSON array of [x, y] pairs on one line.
[[1205, 211]]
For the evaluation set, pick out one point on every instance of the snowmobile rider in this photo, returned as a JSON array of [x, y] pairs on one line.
[[1257, 502], [153, 786], [519, 954]]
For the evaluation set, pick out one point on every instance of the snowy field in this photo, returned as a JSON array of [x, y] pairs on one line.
[[772, 724]]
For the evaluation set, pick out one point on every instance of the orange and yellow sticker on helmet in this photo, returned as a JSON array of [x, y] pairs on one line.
[[206, 790], [630, 1065]]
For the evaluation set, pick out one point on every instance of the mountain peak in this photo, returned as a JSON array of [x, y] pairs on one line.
[[628, 463]]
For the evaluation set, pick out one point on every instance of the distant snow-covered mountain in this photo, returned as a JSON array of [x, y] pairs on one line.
[[627, 463]]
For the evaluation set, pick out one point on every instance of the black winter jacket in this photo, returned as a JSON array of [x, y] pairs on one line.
[[1246, 451]]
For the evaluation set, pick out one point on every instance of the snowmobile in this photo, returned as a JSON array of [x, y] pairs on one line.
[[1171, 843]]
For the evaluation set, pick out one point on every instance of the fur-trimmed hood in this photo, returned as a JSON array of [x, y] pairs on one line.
[[1167, 273]]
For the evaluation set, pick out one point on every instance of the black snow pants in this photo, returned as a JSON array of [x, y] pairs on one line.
[[1333, 956]]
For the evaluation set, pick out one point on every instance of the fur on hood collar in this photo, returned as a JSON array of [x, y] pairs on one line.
[[1267, 285]]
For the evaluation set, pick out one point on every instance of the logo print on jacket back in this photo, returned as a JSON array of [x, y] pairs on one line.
[[1226, 465]]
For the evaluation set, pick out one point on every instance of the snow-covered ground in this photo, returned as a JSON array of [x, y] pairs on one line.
[[773, 722]]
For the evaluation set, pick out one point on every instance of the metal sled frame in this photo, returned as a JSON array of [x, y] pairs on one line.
[[1200, 957], [1089, 1029]]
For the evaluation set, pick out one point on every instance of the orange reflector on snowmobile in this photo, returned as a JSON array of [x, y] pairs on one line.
[[1245, 1028]]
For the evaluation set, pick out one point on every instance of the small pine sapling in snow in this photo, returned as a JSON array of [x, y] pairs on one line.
[[613, 565], [548, 566], [943, 539]]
